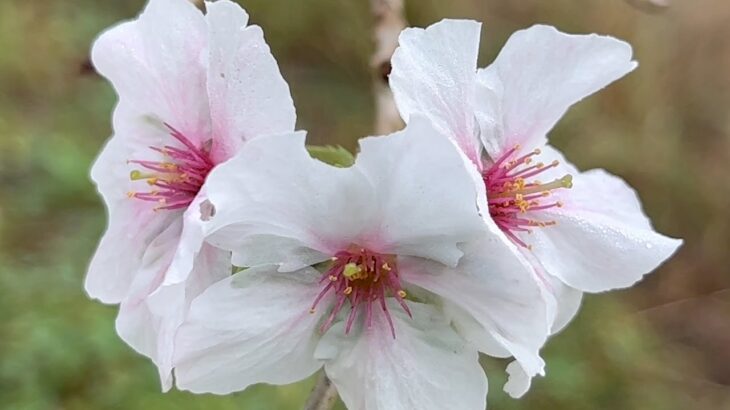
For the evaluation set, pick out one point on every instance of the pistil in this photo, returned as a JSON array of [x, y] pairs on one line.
[[364, 279]]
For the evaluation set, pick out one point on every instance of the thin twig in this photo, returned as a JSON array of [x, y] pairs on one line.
[[389, 22], [324, 395]]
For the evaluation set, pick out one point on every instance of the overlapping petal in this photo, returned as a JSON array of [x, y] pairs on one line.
[[427, 366], [540, 73], [248, 96], [276, 204], [602, 239], [425, 198], [156, 64], [434, 75], [498, 291], [253, 327], [404, 195]]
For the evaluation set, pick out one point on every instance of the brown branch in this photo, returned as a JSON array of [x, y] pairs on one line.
[[388, 23], [650, 6], [323, 396]]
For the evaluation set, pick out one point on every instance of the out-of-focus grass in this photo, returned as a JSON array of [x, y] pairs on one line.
[[665, 129]]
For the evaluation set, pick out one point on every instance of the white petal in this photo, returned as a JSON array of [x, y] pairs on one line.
[[599, 192], [276, 204], [248, 96], [155, 64], [110, 172], [602, 239], [563, 301], [426, 366], [136, 324], [434, 72], [568, 303], [543, 72], [518, 382], [498, 289], [117, 260], [133, 224], [426, 198], [489, 95], [254, 327], [474, 332], [191, 240]]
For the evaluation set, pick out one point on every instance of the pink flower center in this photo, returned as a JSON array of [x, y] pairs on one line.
[[176, 180], [515, 197], [364, 279]]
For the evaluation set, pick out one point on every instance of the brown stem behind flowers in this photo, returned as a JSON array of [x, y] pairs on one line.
[[388, 23], [323, 396]]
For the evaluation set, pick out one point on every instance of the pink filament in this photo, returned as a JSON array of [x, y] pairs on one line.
[[177, 180], [377, 280], [510, 195]]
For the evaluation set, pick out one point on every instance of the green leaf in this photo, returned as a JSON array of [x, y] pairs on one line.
[[332, 154]]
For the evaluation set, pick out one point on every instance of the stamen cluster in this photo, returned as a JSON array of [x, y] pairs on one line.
[[512, 194], [364, 279], [177, 179]]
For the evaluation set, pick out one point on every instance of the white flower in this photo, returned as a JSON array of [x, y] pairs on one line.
[[192, 89], [407, 270], [591, 238]]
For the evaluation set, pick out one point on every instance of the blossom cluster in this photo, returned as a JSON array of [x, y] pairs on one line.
[[237, 258]]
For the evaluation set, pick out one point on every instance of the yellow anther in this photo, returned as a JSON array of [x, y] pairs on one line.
[[351, 270], [348, 290], [402, 294], [152, 181], [131, 194], [555, 163], [537, 151], [333, 278], [386, 267]]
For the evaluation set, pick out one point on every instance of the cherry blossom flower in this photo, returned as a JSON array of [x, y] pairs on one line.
[[404, 294], [582, 231], [192, 88]]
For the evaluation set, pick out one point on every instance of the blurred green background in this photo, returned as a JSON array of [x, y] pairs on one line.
[[665, 344]]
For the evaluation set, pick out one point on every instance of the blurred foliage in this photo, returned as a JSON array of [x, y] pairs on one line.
[[665, 128]]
